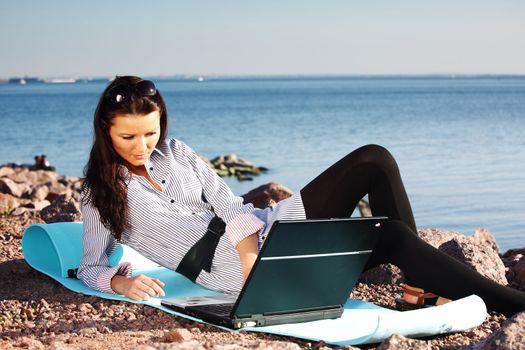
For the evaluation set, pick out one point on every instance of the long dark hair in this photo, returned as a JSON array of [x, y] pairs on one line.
[[105, 183]]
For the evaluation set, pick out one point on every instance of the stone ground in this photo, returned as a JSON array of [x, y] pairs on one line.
[[38, 313]]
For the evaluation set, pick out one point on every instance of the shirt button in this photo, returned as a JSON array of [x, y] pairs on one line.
[[172, 201], [151, 168], [163, 181]]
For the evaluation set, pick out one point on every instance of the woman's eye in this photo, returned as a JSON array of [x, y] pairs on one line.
[[127, 137], [151, 133]]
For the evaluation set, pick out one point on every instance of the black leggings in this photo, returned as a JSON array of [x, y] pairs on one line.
[[372, 170]]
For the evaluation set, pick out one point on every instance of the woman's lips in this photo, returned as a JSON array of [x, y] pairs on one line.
[[139, 156]]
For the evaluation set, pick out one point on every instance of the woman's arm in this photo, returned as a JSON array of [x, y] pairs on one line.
[[248, 250], [95, 271]]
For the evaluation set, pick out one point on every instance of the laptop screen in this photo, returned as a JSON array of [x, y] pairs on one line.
[[308, 264]]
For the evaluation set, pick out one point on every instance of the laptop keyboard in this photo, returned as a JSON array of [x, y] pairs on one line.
[[216, 309]]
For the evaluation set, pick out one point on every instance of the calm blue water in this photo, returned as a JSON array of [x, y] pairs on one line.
[[459, 142]]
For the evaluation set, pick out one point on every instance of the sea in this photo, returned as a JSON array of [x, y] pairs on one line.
[[459, 140]]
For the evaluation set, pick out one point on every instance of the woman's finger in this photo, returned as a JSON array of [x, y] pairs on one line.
[[153, 288], [158, 287], [156, 284], [136, 295], [148, 290], [159, 282]]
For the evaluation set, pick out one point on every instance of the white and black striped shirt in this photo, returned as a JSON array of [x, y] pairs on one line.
[[164, 225]]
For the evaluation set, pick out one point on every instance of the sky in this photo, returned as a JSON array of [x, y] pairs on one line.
[[163, 38]]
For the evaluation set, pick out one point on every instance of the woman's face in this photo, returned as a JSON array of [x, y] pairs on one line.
[[135, 136]]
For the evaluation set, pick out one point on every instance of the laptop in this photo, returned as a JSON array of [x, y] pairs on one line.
[[305, 271]]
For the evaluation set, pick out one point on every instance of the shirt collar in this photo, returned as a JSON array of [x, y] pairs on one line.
[[162, 149], [157, 150]]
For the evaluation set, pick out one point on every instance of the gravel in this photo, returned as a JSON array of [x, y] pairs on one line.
[[37, 312]]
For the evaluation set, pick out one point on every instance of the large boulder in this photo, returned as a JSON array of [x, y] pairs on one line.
[[63, 209], [479, 251], [514, 260], [511, 335], [482, 236], [6, 170], [8, 203], [479, 254], [11, 187], [267, 195], [34, 177], [399, 342], [57, 189], [383, 274], [39, 193]]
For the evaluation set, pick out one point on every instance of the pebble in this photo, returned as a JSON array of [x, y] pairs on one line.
[[130, 316], [177, 335]]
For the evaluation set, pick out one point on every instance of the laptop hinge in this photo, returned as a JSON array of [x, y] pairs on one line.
[[302, 310]]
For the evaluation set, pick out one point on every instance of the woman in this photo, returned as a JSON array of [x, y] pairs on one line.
[[160, 198]]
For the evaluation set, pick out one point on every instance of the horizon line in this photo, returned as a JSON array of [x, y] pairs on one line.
[[261, 75]]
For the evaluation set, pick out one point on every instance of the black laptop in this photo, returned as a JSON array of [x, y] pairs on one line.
[[305, 271]]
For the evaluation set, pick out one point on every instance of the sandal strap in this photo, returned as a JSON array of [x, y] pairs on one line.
[[417, 296]]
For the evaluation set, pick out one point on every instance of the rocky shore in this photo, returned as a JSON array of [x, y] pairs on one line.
[[38, 313]]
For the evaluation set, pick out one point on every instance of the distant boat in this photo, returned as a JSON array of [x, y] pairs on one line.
[[61, 81], [23, 81], [200, 79]]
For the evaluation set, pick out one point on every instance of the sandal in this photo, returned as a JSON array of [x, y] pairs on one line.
[[416, 298]]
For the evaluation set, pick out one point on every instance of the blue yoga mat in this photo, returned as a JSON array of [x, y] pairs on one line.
[[54, 248]]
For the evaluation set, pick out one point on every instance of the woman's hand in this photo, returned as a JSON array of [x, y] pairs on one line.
[[139, 287]]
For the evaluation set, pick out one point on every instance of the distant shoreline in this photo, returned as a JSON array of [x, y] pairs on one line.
[[22, 80]]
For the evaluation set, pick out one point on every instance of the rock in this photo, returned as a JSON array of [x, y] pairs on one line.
[[511, 335], [398, 342], [27, 342], [177, 335], [38, 205], [88, 331], [77, 185], [45, 177], [519, 274], [85, 308], [6, 171], [62, 209], [39, 193], [44, 305], [8, 203], [56, 190], [263, 195], [20, 211], [130, 316], [383, 274], [514, 261], [10, 187], [61, 327], [231, 165], [484, 237], [477, 252], [232, 157], [480, 256], [22, 175]]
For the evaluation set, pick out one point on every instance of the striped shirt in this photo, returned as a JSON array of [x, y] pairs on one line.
[[164, 225]]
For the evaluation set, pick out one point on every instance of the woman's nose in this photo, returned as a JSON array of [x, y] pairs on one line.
[[141, 144]]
